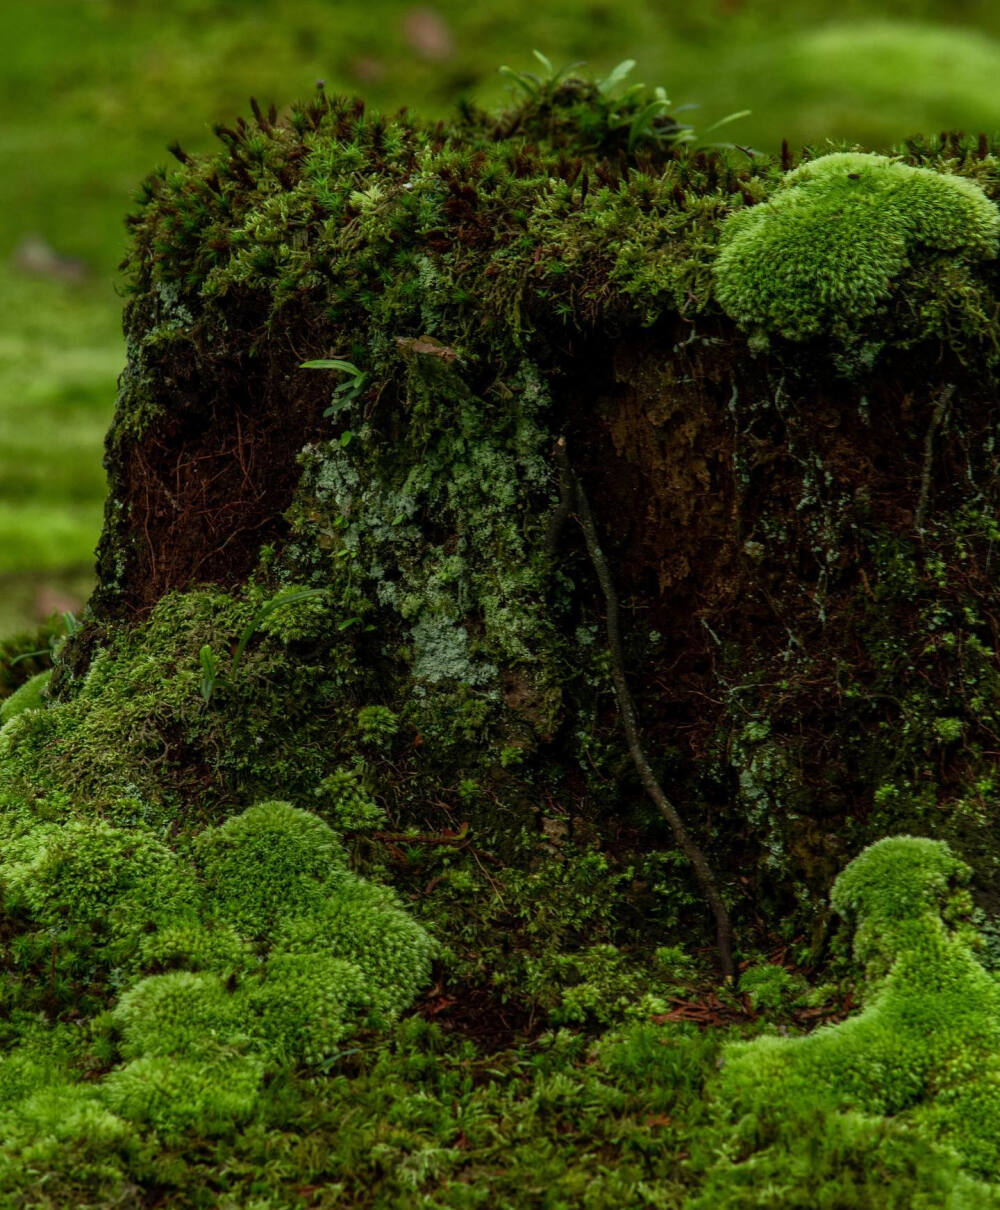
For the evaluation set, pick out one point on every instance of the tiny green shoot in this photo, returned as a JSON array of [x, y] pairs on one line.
[[535, 85], [210, 677], [346, 393], [71, 624]]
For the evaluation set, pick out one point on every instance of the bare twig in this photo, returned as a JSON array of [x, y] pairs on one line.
[[940, 407], [572, 490], [559, 515]]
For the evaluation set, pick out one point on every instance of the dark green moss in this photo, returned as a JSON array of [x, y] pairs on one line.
[[24, 656]]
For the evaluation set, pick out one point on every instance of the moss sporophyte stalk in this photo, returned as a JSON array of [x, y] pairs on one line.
[[327, 874]]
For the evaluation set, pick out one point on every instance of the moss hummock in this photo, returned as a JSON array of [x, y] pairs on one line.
[[825, 250], [256, 948], [925, 1043]]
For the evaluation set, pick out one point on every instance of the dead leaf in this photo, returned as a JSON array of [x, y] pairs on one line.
[[427, 346]]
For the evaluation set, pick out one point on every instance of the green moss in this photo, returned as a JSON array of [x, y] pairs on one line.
[[282, 952], [177, 1096], [826, 250], [66, 1126], [272, 861], [926, 1040], [769, 987], [196, 946], [181, 1014], [364, 924], [42, 1058], [28, 697], [306, 1004], [377, 725], [849, 1159], [345, 801], [598, 984], [119, 731], [89, 873]]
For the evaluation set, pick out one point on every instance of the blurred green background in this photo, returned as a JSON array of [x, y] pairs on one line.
[[94, 90]]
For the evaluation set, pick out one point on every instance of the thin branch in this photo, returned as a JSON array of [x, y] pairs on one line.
[[559, 515], [572, 490], [940, 407]]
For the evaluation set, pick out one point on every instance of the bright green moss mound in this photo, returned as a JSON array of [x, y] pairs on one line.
[[103, 887], [282, 953], [927, 1040], [824, 252], [179, 1013], [266, 863], [28, 697]]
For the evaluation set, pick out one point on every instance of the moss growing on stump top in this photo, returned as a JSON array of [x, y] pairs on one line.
[[826, 249], [544, 233], [563, 214], [480, 229], [330, 232]]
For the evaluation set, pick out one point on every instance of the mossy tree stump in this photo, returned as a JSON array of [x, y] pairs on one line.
[[799, 505], [662, 479]]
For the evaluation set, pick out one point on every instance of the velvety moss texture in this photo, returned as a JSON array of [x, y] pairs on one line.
[[826, 248], [27, 697], [926, 1039], [325, 875]]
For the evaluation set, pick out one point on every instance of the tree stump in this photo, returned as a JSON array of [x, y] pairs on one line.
[[777, 383]]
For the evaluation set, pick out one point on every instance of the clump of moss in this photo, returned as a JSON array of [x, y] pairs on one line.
[[825, 250], [88, 873], [177, 1095], [364, 924], [179, 1013], [79, 898], [27, 697], [306, 1003], [926, 1041], [769, 987], [271, 861], [346, 802], [135, 735], [253, 947]]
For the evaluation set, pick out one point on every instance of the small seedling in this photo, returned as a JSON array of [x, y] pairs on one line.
[[535, 85], [611, 81], [209, 672], [643, 117], [71, 624], [345, 394], [210, 660]]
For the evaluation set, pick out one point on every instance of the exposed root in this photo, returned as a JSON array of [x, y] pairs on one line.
[[571, 490]]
